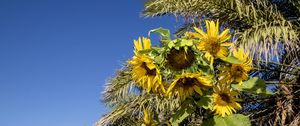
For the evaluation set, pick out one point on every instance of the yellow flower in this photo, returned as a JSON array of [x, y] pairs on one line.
[[138, 44], [148, 121], [237, 72], [186, 84], [146, 74], [147, 116], [213, 43], [225, 101]]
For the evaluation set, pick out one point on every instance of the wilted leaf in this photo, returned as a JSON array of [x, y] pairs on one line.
[[164, 33]]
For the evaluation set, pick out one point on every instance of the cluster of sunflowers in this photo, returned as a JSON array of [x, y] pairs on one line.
[[196, 64]]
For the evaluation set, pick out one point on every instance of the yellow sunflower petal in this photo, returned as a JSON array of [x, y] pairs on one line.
[[224, 36], [223, 52], [226, 44], [202, 34], [147, 43]]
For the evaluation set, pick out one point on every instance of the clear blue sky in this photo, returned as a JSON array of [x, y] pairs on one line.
[[55, 56]]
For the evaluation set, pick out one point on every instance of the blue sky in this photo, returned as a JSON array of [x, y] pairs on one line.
[[55, 56]]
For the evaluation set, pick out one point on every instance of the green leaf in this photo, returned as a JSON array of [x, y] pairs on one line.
[[205, 102], [254, 82], [184, 111], [164, 33], [231, 59], [232, 120], [253, 85], [180, 115]]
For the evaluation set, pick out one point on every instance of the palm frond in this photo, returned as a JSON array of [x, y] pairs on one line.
[[296, 3], [260, 26], [267, 40], [163, 106], [118, 89]]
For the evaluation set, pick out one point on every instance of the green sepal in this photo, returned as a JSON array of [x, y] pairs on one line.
[[159, 59], [185, 42], [171, 44]]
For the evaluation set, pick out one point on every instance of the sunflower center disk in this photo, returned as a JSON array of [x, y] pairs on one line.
[[180, 59], [213, 47], [237, 70], [225, 97], [188, 82], [150, 72]]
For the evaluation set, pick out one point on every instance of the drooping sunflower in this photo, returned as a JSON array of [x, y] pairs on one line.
[[225, 101], [144, 71], [213, 44], [187, 84], [237, 72], [180, 59]]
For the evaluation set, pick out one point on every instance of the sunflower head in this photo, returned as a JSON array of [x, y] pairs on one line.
[[225, 101], [212, 43], [237, 72], [141, 44], [180, 59], [145, 73], [186, 84]]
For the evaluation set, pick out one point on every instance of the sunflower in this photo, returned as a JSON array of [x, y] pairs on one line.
[[148, 121], [138, 44], [225, 101], [180, 59], [213, 43], [237, 72], [186, 84], [145, 73]]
